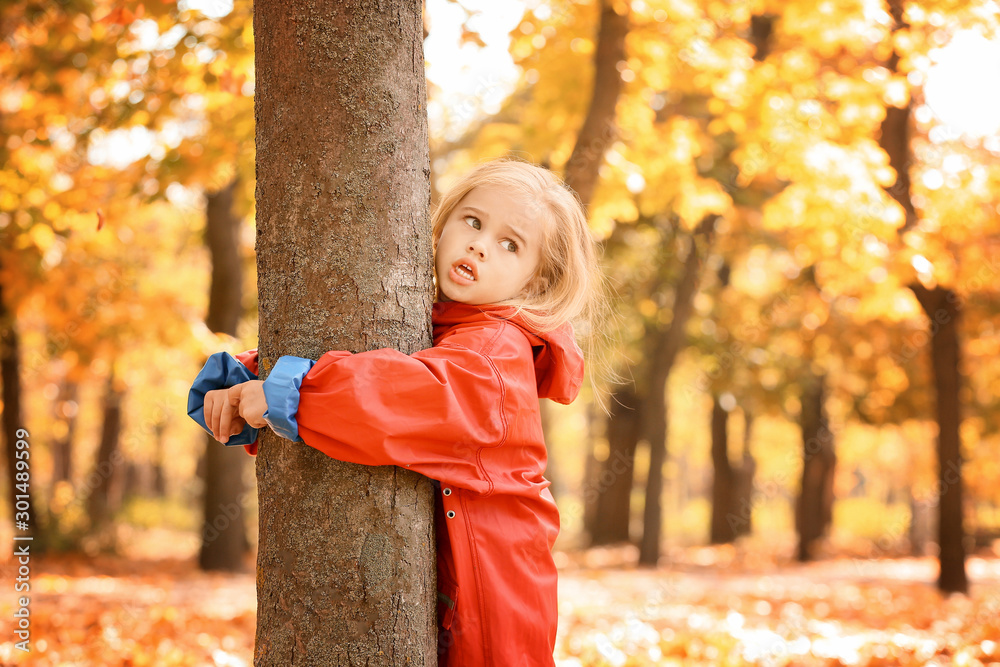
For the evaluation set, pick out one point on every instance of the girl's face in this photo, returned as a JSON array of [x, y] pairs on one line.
[[489, 248]]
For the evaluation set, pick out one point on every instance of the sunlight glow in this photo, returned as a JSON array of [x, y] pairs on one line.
[[963, 86], [922, 264], [473, 80], [213, 9], [120, 148]]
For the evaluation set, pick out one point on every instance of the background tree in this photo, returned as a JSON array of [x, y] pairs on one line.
[[223, 535]]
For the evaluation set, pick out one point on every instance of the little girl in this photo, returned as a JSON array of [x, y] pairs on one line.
[[515, 262]]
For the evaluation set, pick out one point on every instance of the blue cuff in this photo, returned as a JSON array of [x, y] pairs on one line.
[[221, 370], [281, 390]]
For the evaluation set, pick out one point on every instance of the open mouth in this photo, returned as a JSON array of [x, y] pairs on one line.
[[465, 271]]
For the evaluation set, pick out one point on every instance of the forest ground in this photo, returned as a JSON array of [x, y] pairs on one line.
[[703, 606]]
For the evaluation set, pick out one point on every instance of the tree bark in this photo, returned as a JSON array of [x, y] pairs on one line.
[[345, 565], [653, 427], [723, 478], [942, 307], [598, 130], [814, 507], [223, 535], [612, 489]]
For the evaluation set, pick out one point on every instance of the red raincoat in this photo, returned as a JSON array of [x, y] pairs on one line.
[[465, 413]]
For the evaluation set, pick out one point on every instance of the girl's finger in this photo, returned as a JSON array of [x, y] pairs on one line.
[[220, 408], [230, 411], [216, 416], [225, 422]]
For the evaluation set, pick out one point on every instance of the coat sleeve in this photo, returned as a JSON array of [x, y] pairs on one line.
[[250, 360], [431, 412], [222, 370]]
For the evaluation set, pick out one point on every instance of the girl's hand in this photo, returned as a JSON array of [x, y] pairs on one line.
[[221, 414], [227, 411], [252, 403]]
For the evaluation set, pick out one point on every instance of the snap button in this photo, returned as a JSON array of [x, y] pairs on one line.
[[451, 514], [447, 492]]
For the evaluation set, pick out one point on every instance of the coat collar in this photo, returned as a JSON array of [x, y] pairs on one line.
[[557, 358]]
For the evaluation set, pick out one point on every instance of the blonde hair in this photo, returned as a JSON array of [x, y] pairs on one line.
[[567, 284]]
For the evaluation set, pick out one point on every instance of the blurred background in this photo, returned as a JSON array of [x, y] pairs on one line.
[[799, 209]]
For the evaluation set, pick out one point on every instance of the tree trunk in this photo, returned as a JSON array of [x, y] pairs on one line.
[[598, 130], [894, 136], [14, 429], [942, 307], [223, 535], [159, 474], [761, 28], [814, 508], [653, 427], [725, 511], [66, 409], [742, 520], [345, 569], [582, 170], [723, 479], [612, 489], [104, 482]]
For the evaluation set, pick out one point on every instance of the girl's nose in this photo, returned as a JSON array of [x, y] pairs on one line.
[[478, 249]]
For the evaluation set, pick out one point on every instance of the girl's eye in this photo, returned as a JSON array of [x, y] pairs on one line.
[[509, 245], [473, 222]]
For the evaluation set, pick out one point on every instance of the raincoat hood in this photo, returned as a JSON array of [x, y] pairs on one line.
[[557, 358]]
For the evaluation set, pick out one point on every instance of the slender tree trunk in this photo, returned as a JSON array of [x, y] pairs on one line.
[[722, 526], [345, 569], [159, 474], [761, 28], [742, 519], [894, 137], [612, 491], [591, 472], [107, 474], [723, 478], [655, 428], [62, 448], [13, 425], [813, 510], [653, 412], [941, 306], [598, 130], [223, 535], [583, 167]]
